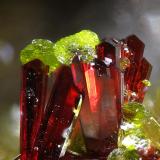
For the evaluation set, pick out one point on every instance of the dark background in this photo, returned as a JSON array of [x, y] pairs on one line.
[[22, 21]]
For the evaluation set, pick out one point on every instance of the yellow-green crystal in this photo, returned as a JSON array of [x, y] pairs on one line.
[[82, 43], [139, 129], [134, 112], [146, 82], [40, 49], [63, 51], [131, 134]]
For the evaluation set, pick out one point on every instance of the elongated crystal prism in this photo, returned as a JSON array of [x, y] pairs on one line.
[[135, 53], [106, 51], [138, 70], [58, 116], [101, 106], [136, 47], [143, 73], [32, 102]]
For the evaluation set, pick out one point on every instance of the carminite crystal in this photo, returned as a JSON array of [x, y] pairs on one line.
[[93, 110]]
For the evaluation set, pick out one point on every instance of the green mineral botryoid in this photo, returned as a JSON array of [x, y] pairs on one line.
[[63, 51]]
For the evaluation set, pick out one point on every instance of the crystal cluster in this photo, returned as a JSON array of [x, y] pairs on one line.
[[80, 99]]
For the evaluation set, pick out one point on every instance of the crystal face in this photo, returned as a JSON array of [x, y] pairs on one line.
[[58, 115], [40, 49], [135, 49], [106, 51], [32, 100], [94, 109], [138, 70], [82, 43], [100, 108]]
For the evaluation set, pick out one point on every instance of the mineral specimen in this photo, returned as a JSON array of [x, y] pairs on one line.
[[93, 110]]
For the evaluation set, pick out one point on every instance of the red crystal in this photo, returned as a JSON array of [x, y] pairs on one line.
[[139, 68], [136, 47], [77, 73], [59, 115], [129, 75], [106, 50], [116, 77], [100, 107], [135, 54], [32, 101], [143, 73]]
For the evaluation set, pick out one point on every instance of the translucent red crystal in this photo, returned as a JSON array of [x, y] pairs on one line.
[[136, 46], [135, 54], [100, 108], [139, 69], [106, 50], [144, 72], [32, 102], [59, 114]]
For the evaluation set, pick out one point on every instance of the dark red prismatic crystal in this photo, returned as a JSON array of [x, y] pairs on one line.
[[134, 53], [32, 102], [106, 50], [100, 112], [143, 72], [58, 118], [111, 56], [139, 69], [136, 46]]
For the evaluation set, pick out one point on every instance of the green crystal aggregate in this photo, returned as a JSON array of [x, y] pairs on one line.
[[133, 116], [63, 51], [40, 49], [83, 43], [138, 131], [142, 125], [131, 133]]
